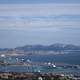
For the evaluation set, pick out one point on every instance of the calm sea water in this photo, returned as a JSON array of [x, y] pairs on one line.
[[64, 58], [67, 58]]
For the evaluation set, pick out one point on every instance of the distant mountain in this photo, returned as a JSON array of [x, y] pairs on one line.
[[53, 47], [5, 49]]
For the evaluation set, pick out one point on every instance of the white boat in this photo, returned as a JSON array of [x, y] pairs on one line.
[[49, 65]]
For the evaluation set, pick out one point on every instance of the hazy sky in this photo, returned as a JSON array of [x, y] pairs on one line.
[[39, 1], [44, 22]]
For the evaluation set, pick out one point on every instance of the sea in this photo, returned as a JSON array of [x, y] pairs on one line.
[[62, 58], [72, 59]]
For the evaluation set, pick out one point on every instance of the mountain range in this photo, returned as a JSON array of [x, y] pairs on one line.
[[53, 47]]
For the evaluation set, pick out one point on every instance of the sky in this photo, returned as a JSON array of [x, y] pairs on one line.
[[38, 1], [24, 22]]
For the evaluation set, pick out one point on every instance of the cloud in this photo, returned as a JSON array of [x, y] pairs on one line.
[[39, 9], [32, 16]]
